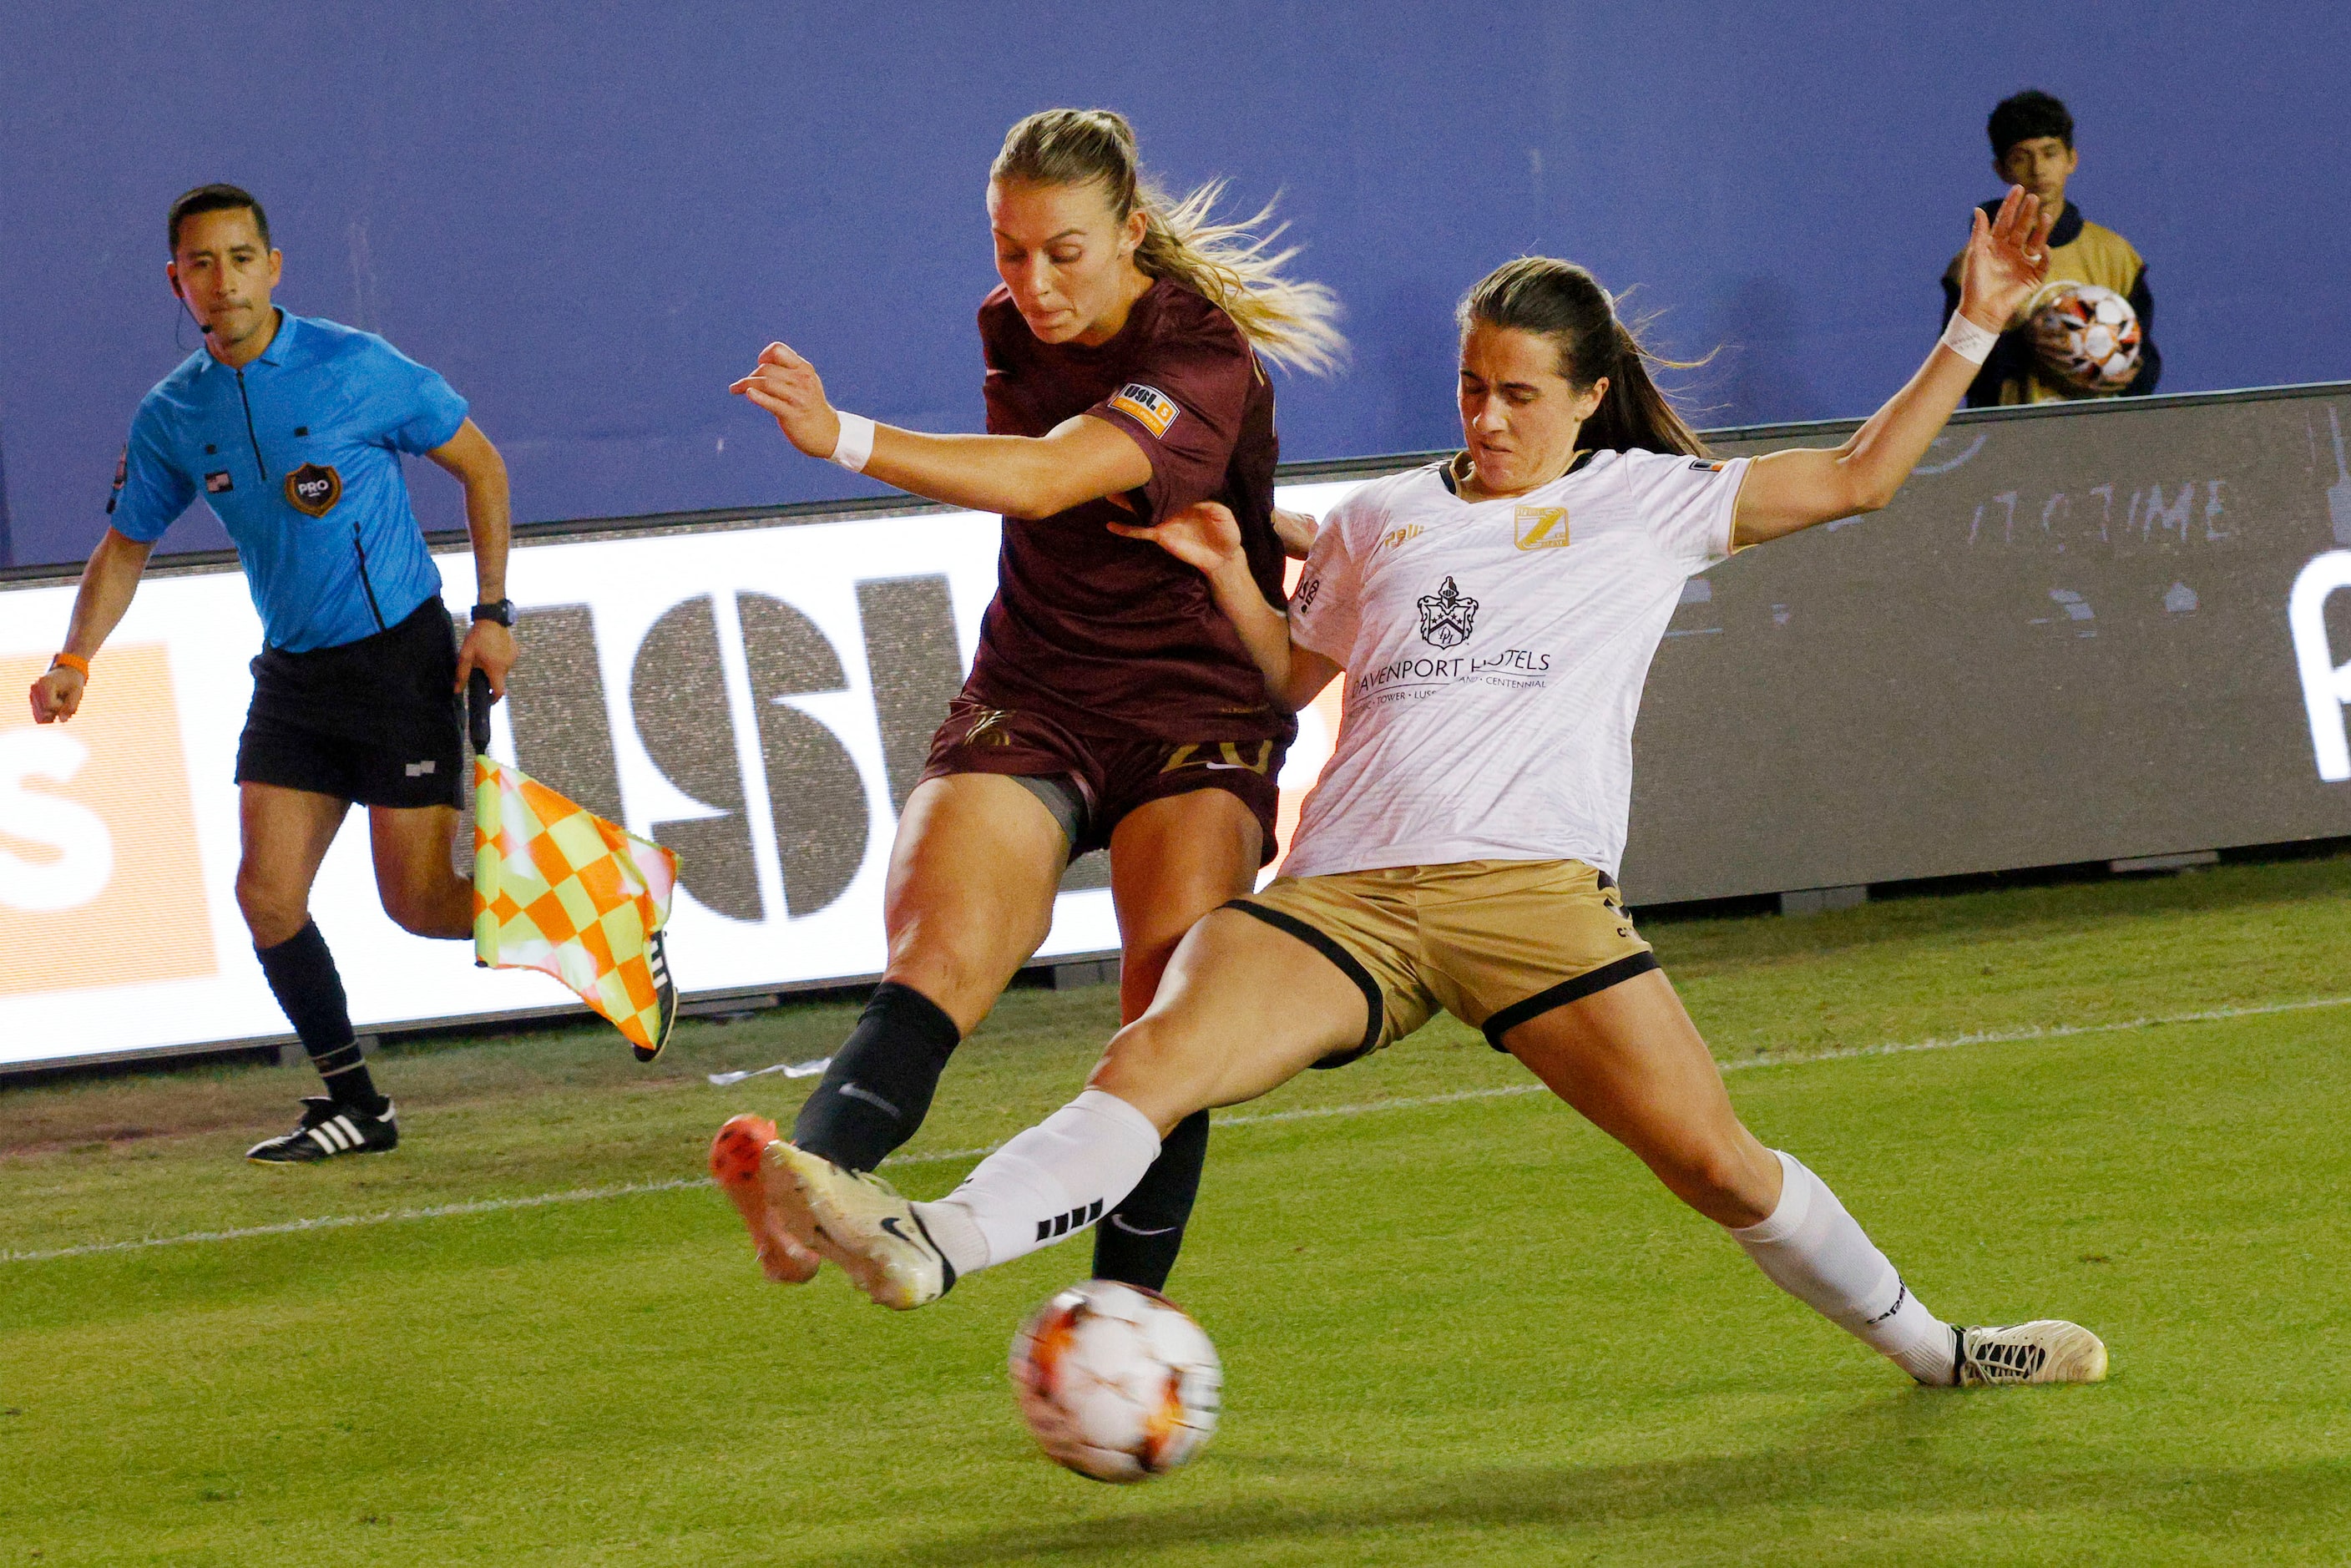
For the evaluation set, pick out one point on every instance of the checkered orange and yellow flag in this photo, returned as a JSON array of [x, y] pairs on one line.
[[558, 889]]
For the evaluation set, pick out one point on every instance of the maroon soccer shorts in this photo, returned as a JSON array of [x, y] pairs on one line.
[[1105, 778]]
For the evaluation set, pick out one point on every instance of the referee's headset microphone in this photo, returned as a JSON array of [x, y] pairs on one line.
[[190, 312]]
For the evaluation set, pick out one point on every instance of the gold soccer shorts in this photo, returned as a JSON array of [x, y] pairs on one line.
[[1494, 942]]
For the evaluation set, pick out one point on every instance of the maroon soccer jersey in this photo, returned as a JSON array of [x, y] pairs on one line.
[[1113, 636]]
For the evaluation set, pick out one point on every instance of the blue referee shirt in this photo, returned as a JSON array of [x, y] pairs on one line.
[[297, 453]]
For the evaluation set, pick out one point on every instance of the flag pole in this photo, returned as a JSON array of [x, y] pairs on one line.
[[477, 730]]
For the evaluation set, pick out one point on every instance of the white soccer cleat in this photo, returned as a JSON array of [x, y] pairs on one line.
[[2047, 1350], [861, 1223]]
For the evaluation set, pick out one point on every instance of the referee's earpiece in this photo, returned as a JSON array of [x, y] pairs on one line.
[[179, 295]]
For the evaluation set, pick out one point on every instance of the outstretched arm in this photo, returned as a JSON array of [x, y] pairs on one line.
[[107, 583], [1207, 536], [1080, 459], [2006, 259]]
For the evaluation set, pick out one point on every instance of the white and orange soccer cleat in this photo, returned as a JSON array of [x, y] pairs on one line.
[[2047, 1350], [859, 1222], [735, 1166]]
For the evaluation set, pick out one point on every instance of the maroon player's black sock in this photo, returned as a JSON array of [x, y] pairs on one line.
[[878, 1088], [1136, 1242]]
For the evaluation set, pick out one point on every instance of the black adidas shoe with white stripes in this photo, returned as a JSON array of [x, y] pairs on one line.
[[327, 1129]]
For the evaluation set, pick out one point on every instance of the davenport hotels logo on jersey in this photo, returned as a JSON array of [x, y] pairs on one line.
[[100, 880], [1448, 618]]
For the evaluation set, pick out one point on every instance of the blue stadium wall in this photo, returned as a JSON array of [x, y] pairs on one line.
[[590, 217]]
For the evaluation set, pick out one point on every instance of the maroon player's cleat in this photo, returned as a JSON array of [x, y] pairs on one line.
[[734, 1162]]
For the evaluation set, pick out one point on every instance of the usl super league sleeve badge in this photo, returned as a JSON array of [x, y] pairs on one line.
[[313, 490], [1447, 616]]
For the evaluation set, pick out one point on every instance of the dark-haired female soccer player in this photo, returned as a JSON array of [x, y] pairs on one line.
[[1110, 703], [1495, 616]]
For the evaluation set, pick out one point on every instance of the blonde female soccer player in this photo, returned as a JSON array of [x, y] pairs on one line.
[[1495, 616], [1111, 704]]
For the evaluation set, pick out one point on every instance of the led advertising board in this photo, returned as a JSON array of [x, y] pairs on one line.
[[2095, 633], [758, 698], [2078, 634]]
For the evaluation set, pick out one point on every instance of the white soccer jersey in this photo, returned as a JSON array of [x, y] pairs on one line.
[[1494, 654]]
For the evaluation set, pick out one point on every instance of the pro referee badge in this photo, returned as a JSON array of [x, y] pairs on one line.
[[1541, 528], [313, 490], [1147, 406]]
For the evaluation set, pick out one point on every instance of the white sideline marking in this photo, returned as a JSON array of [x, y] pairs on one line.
[[631, 1189], [339, 1221]]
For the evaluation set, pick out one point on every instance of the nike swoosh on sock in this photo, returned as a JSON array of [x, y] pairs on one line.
[[1119, 1222], [856, 1092]]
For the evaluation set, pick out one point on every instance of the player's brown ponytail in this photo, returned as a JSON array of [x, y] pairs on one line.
[[1561, 301], [1230, 264]]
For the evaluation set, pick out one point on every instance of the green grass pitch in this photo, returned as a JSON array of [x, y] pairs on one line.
[[1457, 1331]]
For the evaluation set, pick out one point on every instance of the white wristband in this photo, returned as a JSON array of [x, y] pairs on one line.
[[1962, 337], [855, 447]]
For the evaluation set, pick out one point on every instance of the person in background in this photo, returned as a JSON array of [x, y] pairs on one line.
[[2032, 146]]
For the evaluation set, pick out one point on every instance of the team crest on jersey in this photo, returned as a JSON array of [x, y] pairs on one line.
[[1541, 528], [1446, 617], [312, 490], [1147, 406]]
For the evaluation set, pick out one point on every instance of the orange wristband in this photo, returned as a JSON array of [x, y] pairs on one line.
[[72, 661]]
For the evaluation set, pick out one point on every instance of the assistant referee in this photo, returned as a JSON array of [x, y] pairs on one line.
[[291, 429]]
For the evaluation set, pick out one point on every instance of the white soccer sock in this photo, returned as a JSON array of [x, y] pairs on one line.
[[1812, 1249], [1053, 1180]]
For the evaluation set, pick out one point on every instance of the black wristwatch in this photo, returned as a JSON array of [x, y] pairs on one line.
[[502, 612]]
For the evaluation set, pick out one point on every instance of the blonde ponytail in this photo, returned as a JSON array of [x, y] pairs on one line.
[[1231, 264]]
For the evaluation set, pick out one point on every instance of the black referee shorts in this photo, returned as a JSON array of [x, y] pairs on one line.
[[375, 722]]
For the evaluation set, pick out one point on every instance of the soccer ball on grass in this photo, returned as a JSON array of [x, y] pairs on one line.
[[1116, 1382]]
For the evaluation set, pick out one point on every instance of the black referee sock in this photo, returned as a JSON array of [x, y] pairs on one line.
[[1136, 1244], [302, 976], [879, 1087]]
